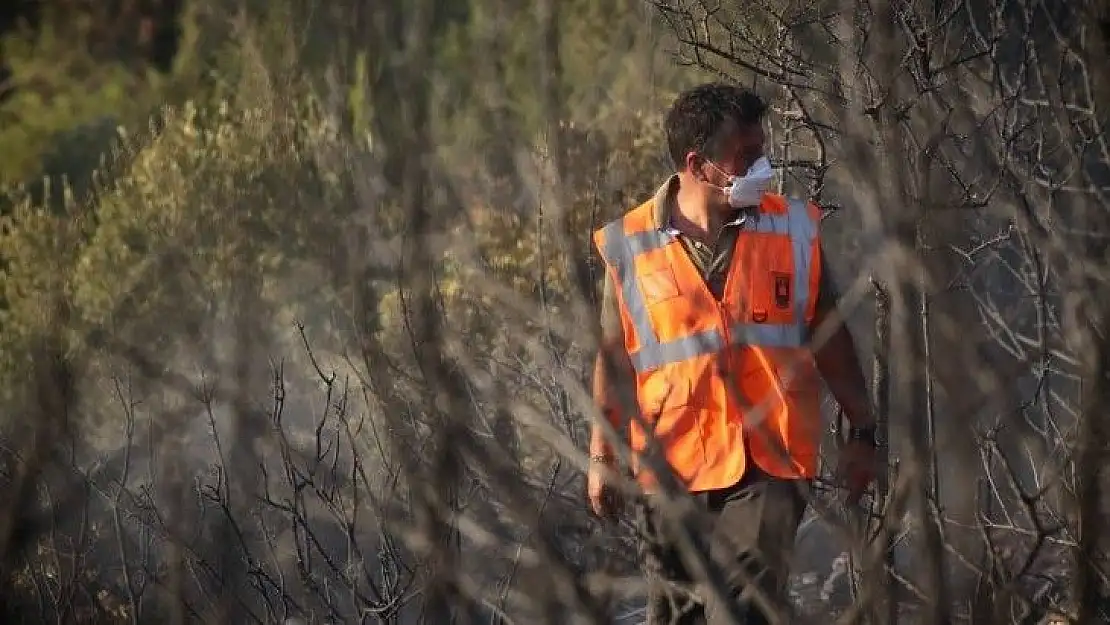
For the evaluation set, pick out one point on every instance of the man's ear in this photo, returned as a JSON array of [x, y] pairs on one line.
[[694, 164]]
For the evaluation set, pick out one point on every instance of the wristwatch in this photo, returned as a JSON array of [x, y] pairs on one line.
[[867, 433]]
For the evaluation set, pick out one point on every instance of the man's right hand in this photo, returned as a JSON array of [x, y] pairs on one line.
[[604, 497]]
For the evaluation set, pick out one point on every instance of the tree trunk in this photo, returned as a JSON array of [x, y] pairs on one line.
[[406, 35]]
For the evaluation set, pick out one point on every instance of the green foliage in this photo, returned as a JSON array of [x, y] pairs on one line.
[[58, 87], [37, 249], [254, 180], [227, 194], [614, 82]]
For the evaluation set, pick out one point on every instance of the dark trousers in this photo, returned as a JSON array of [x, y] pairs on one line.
[[747, 531]]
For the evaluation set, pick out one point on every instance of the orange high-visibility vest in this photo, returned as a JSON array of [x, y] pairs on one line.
[[712, 376]]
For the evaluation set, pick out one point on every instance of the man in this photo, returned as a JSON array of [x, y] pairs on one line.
[[714, 289]]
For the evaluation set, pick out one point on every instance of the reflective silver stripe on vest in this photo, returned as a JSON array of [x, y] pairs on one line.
[[620, 251], [768, 334], [700, 344]]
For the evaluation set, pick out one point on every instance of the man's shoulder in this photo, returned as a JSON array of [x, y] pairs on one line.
[[795, 206], [644, 211], [787, 201], [641, 214], [810, 205], [657, 206]]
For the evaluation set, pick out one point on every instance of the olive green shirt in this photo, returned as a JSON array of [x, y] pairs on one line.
[[712, 261]]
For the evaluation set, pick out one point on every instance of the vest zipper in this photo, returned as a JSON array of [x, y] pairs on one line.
[[731, 388], [720, 362], [726, 333]]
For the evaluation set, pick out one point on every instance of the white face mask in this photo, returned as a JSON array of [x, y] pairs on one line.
[[747, 190]]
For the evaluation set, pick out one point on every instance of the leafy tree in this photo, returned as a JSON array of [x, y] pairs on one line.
[[57, 85]]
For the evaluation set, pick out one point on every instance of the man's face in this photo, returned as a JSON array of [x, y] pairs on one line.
[[741, 147]]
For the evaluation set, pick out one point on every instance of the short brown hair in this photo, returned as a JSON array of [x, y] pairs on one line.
[[701, 115]]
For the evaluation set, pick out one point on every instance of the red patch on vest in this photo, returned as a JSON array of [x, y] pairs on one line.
[[782, 290]]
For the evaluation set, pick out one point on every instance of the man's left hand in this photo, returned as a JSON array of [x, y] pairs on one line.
[[856, 467]]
